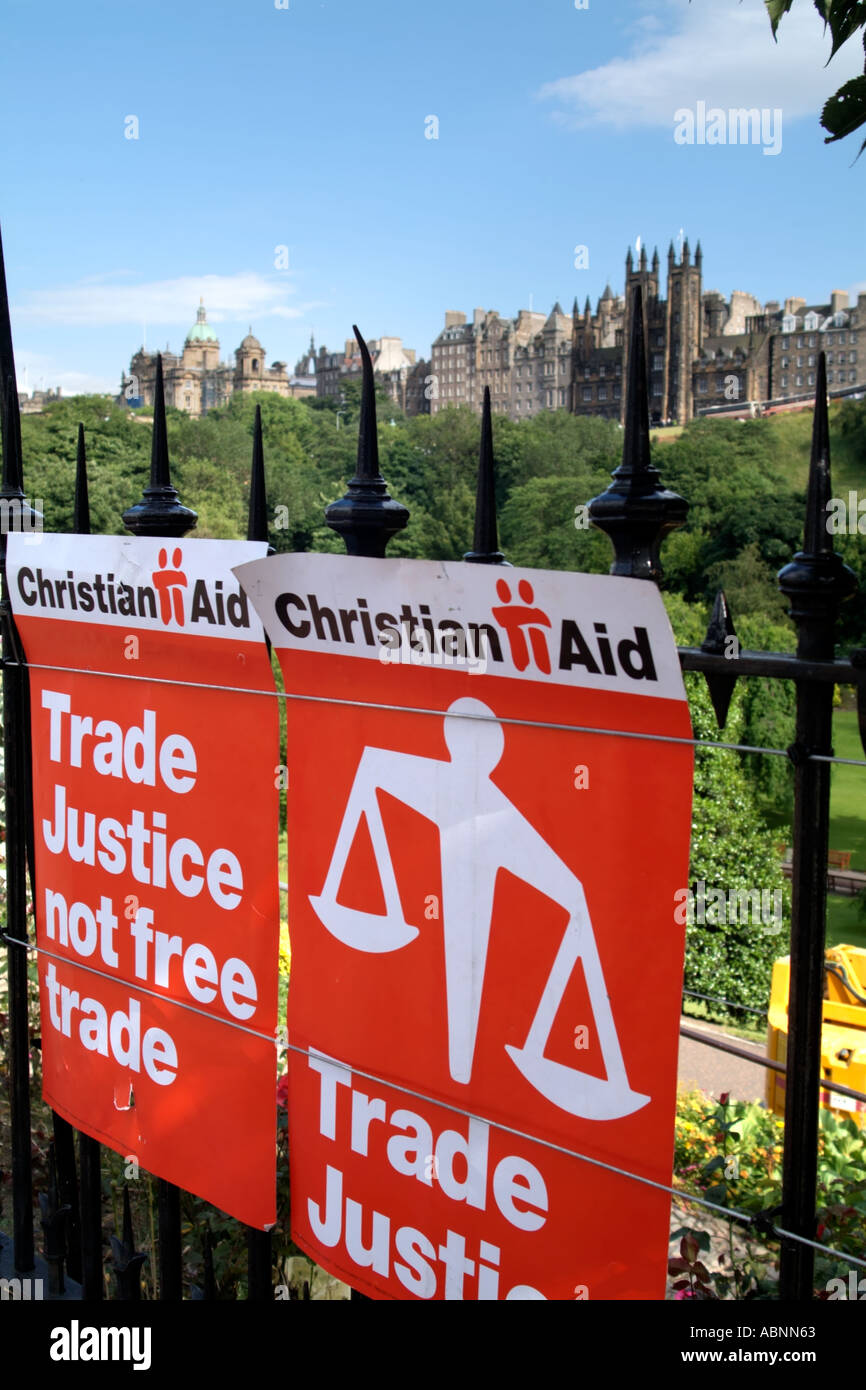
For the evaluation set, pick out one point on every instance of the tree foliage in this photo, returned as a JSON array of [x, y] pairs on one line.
[[845, 112]]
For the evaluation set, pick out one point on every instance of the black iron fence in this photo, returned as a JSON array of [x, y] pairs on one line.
[[636, 512]]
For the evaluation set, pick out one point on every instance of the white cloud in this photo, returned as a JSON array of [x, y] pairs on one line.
[[36, 371], [717, 51], [102, 301]]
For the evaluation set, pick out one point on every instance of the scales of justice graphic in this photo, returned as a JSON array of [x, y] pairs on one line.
[[480, 832]]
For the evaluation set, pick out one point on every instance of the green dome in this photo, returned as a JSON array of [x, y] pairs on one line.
[[201, 331]]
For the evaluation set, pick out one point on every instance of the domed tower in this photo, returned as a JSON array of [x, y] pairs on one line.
[[202, 346], [249, 364]]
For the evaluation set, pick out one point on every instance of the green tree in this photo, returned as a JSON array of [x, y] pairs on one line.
[[732, 849]]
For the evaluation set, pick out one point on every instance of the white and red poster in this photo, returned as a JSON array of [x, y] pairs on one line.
[[486, 967], [156, 825]]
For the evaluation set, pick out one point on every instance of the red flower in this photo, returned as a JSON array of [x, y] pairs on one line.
[[283, 1090]]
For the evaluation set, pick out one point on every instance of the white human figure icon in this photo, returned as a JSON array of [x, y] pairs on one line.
[[480, 832]]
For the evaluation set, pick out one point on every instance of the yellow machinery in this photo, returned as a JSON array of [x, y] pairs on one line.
[[843, 1035]]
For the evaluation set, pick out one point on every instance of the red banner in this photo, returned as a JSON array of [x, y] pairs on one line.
[[487, 828], [156, 828]]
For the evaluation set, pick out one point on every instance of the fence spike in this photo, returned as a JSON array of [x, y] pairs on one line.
[[485, 549], [634, 511], [367, 516], [67, 1183], [10, 421], [816, 583], [257, 524], [81, 509], [54, 1218], [159, 513], [720, 629], [127, 1260]]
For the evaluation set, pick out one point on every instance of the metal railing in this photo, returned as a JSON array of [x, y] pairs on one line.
[[636, 512]]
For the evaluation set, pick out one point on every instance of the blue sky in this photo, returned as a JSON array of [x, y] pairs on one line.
[[304, 127]]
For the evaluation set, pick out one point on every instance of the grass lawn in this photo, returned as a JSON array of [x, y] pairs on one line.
[[844, 922], [847, 827], [848, 791], [795, 433]]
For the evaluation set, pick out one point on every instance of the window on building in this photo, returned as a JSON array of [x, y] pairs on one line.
[[619, 369], [784, 342], [617, 392], [812, 340], [657, 388], [587, 393], [658, 364], [602, 393], [799, 361], [562, 395], [852, 357], [799, 342], [602, 371], [799, 381], [702, 385], [550, 399], [562, 366], [852, 376], [586, 373], [811, 378], [255, 364], [784, 361], [829, 358], [784, 381]]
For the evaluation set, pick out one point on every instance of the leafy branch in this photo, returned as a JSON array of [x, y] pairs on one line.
[[845, 111]]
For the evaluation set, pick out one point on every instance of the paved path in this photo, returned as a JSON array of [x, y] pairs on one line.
[[715, 1071]]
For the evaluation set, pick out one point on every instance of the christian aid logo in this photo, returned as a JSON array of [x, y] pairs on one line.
[[480, 832], [169, 585], [513, 617]]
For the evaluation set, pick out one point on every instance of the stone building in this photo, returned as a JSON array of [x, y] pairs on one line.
[[196, 380], [703, 351], [404, 378]]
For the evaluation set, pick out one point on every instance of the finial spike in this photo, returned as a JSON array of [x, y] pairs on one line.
[[816, 582], [81, 509], [636, 441], [368, 440], [485, 545], [635, 511], [817, 538], [257, 525], [159, 465], [367, 516], [12, 482], [10, 422], [159, 513], [720, 630]]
